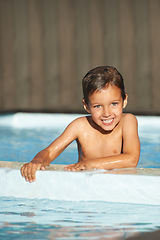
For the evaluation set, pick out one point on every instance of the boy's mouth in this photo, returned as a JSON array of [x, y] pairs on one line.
[[108, 121]]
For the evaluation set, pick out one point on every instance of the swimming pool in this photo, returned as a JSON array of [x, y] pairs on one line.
[[22, 136]]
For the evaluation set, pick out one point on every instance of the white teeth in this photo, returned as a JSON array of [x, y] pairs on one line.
[[108, 121]]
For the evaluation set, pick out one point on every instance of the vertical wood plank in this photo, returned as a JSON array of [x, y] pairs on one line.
[[7, 41], [36, 54], [83, 60], [111, 25], [66, 22], [97, 33], [21, 55], [143, 69], [155, 53], [51, 54], [127, 51]]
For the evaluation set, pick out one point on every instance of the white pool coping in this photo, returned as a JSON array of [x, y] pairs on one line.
[[134, 185]]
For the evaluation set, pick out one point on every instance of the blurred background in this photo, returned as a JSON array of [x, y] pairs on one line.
[[47, 46]]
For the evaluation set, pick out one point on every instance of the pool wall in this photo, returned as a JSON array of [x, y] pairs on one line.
[[97, 185]]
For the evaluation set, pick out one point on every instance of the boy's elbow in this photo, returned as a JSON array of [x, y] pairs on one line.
[[134, 164], [134, 161]]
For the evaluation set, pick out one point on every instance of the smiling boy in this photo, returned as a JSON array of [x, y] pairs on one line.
[[107, 139]]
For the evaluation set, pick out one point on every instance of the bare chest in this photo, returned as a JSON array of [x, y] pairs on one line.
[[95, 145]]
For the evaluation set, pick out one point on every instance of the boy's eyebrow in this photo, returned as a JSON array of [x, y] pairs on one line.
[[114, 100], [99, 103]]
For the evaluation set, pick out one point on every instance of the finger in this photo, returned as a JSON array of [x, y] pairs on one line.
[[69, 167], [32, 177], [74, 167], [25, 173], [29, 173], [79, 167], [22, 173], [32, 174], [43, 167], [22, 170]]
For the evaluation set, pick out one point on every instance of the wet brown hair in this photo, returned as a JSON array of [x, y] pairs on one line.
[[99, 77]]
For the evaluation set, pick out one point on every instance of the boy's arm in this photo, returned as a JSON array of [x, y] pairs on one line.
[[46, 156], [129, 157]]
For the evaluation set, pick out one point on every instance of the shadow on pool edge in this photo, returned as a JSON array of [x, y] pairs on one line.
[[146, 236]]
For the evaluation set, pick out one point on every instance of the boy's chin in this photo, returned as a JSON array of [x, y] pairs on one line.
[[104, 128], [109, 127]]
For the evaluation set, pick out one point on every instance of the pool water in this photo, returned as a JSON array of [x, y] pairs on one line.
[[22, 144], [47, 219], [52, 219]]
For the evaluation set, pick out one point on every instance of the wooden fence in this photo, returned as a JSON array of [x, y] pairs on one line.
[[46, 47]]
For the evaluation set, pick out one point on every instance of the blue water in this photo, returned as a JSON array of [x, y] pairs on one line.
[[48, 219], [22, 145]]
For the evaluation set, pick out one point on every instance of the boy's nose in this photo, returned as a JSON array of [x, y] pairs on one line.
[[106, 112]]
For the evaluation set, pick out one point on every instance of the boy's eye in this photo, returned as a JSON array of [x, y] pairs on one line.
[[114, 104], [97, 106]]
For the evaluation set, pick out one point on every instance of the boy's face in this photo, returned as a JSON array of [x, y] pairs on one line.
[[106, 107]]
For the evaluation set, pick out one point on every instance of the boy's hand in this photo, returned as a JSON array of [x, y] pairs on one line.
[[28, 170], [84, 165]]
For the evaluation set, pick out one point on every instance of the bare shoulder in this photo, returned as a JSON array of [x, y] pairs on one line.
[[73, 130], [80, 121], [129, 121], [128, 117], [77, 125]]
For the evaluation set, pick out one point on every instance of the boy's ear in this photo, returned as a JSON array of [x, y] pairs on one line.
[[125, 101], [85, 106]]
